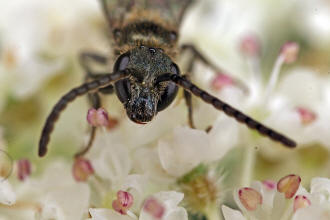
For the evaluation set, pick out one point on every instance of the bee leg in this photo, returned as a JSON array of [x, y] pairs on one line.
[[200, 57], [93, 98], [205, 61], [85, 59], [183, 11], [187, 95]]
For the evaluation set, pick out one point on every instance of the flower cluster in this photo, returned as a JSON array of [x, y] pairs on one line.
[[286, 200], [164, 170]]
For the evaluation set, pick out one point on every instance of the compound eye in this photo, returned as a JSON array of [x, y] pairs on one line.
[[123, 90], [175, 69], [170, 91], [122, 87], [121, 63]]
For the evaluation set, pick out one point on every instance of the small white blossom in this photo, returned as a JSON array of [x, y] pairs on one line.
[[169, 200], [7, 195], [275, 205], [189, 147]]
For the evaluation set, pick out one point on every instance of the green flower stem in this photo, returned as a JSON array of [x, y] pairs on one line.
[[248, 166], [212, 212]]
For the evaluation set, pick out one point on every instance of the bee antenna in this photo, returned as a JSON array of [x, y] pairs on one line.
[[229, 110], [102, 81]]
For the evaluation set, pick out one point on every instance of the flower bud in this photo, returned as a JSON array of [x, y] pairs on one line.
[[23, 169], [97, 117], [290, 51], [82, 169], [123, 202], [250, 198], [289, 185]]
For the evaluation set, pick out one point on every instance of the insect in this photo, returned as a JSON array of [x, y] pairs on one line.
[[145, 77]]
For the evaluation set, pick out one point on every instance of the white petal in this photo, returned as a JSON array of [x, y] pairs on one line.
[[152, 167], [186, 150], [107, 214], [267, 195], [223, 137], [232, 214], [279, 205], [313, 212], [66, 203], [302, 82], [320, 184], [113, 161], [138, 187], [7, 195], [170, 198], [320, 187], [170, 201], [178, 214]]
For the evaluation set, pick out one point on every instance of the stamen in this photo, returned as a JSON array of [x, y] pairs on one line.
[[269, 184], [154, 208], [123, 202], [250, 46], [82, 169], [301, 202], [250, 198], [288, 54], [24, 169], [306, 115], [97, 117], [289, 185], [220, 81], [289, 51]]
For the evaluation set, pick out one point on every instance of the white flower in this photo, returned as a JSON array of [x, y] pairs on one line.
[[168, 200], [284, 201], [319, 198], [39, 38], [54, 195], [189, 147], [302, 114]]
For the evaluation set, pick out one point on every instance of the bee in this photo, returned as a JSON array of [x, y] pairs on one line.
[[145, 77]]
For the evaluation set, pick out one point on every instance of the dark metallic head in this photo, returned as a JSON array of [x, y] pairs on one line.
[[142, 95]]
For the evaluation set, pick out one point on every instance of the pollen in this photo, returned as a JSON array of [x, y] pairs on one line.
[[250, 198], [24, 169], [290, 51], [306, 116], [301, 201], [82, 169], [289, 185]]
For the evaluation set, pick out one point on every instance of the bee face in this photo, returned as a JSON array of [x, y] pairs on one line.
[[141, 94]]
